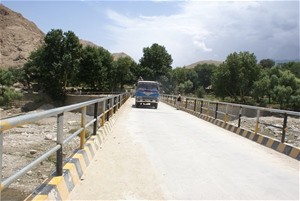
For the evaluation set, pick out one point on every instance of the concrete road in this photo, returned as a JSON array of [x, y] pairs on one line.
[[167, 154]]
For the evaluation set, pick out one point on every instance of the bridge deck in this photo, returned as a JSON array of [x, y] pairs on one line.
[[169, 154]]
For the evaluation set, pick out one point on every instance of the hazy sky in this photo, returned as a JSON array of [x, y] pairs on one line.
[[189, 30]]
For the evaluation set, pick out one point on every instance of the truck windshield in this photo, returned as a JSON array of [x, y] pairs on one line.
[[147, 85]]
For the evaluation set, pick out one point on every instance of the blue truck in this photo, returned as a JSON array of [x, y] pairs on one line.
[[147, 93]]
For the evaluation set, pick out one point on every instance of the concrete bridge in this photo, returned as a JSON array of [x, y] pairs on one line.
[[170, 154]]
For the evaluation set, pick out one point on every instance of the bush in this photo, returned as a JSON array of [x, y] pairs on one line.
[[263, 102], [200, 92], [229, 99], [9, 95]]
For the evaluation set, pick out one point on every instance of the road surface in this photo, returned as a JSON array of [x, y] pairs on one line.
[[167, 154]]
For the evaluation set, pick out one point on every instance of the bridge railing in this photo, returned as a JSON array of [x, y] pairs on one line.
[[237, 113], [104, 108]]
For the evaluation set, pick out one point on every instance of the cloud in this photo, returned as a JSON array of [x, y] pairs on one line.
[[210, 30]]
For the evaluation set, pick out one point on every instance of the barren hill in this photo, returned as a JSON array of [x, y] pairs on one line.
[[18, 37], [217, 63], [116, 56]]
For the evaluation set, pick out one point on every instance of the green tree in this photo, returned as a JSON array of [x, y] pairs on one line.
[[156, 61], [200, 92], [71, 58], [287, 87], [282, 95], [204, 72], [179, 75], [6, 79], [18, 74], [32, 67], [192, 76], [93, 71], [261, 88], [294, 67], [8, 95], [295, 99], [55, 64], [236, 76], [267, 63], [122, 73], [188, 85]]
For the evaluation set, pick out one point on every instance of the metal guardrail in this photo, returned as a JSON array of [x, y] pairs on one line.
[[230, 111], [110, 105]]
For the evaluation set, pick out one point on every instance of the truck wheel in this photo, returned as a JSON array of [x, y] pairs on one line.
[[156, 105], [137, 105]]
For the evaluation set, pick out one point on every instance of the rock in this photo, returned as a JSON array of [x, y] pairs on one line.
[[29, 173], [32, 151], [48, 137], [72, 122], [43, 177]]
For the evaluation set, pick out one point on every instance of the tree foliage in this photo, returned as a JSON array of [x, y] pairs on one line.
[[236, 75], [7, 94], [94, 66], [204, 72], [123, 69], [294, 67], [267, 63], [156, 62], [6, 78], [55, 65]]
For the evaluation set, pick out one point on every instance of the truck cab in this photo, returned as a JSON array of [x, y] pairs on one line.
[[147, 93]]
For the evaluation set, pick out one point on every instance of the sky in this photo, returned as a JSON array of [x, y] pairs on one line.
[[191, 31]]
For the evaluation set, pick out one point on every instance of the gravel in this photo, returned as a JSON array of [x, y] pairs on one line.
[[23, 144], [272, 127]]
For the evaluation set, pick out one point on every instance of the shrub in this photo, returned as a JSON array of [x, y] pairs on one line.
[[9, 95], [200, 92]]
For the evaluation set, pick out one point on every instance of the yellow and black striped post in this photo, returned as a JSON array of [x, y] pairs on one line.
[[82, 133]]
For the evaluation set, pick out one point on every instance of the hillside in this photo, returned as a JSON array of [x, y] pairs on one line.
[[217, 63], [18, 37], [116, 56]]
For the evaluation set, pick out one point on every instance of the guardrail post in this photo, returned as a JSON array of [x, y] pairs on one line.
[[195, 105], [201, 106], [103, 113], [226, 114], [108, 109], [257, 121], [111, 109], [284, 127], [95, 117], [82, 134], [60, 139], [121, 99], [216, 112], [207, 109], [186, 102], [240, 116], [1, 156]]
